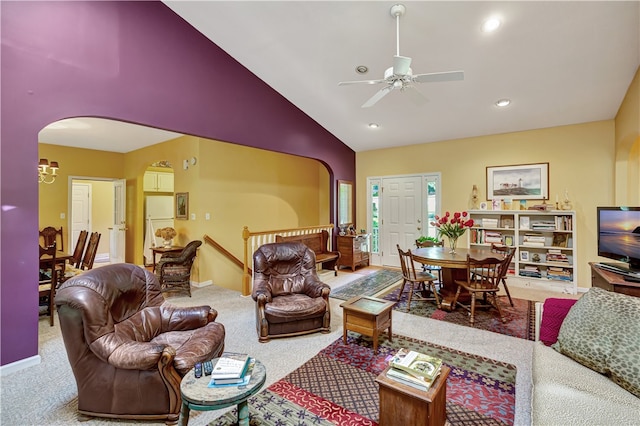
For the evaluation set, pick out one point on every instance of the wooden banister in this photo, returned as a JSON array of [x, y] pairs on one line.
[[225, 252]]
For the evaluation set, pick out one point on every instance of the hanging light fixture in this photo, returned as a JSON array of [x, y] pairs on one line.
[[44, 175]]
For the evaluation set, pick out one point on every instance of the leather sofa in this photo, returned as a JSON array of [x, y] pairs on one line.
[[128, 348], [290, 298]]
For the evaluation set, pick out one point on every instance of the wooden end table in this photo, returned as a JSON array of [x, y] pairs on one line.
[[402, 404], [196, 395], [368, 316]]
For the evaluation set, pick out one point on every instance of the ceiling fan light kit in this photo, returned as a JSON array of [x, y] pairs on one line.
[[400, 76]]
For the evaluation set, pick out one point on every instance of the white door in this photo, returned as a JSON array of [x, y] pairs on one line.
[[117, 231], [80, 211], [401, 216]]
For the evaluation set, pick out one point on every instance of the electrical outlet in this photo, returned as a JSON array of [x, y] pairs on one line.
[[207, 216], [62, 215], [193, 216]]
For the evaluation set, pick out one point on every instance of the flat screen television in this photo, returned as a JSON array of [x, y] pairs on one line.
[[619, 236]]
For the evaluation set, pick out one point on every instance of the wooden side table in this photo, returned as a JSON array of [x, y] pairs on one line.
[[368, 316], [402, 404], [196, 395]]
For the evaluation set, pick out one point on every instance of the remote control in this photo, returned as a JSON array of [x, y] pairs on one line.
[[198, 370], [208, 368]]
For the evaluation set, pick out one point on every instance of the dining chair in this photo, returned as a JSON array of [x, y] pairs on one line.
[[88, 258], [50, 235], [431, 268], [424, 281], [48, 279], [507, 252], [76, 259], [485, 284]]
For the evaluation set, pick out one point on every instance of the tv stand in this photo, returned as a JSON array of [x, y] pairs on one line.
[[604, 277]]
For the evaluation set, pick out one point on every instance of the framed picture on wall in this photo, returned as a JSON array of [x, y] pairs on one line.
[[182, 205], [522, 181]]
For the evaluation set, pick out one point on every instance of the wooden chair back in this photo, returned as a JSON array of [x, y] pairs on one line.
[[50, 235], [489, 277], [407, 264], [90, 253], [508, 253], [47, 284], [76, 260]]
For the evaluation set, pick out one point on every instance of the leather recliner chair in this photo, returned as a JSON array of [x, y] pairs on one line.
[[128, 348], [290, 298]]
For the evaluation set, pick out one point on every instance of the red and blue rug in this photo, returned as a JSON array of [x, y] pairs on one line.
[[520, 318], [337, 387]]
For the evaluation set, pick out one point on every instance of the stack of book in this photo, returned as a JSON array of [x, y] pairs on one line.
[[490, 222], [232, 369], [544, 225], [556, 256], [414, 369], [562, 274], [530, 271], [533, 240]]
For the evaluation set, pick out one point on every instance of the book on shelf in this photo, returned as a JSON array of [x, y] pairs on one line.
[[241, 381], [416, 363], [405, 378], [230, 366], [490, 222]]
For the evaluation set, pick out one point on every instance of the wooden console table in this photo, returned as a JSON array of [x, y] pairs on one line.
[[612, 282]]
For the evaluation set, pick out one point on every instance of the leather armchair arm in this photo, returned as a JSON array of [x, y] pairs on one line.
[[176, 318], [129, 354], [313, 287]]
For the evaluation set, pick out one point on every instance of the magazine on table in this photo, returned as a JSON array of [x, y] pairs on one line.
[[405, 378], [242, 381], [230, 366], [416, 363]]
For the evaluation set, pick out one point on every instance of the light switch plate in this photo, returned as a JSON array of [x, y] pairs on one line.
[[62, 215], [207, 216], [193, 216]]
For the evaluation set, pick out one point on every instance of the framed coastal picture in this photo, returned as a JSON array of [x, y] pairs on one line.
[[182, 205], [522, 182]]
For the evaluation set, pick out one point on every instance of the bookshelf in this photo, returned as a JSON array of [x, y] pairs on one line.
[[545, 244]]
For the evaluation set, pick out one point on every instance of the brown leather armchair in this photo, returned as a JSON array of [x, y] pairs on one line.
[[128, 348], [290, 298]]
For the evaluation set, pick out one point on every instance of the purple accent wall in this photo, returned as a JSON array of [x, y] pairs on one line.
[[133, 61]]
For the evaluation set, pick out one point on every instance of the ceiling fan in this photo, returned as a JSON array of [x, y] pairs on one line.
[[400, 76]]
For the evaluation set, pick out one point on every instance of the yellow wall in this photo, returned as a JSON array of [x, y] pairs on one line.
[[627, 176], [581, 160], [54, 199]]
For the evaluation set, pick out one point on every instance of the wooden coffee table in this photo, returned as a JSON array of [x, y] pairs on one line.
[[368, 316], [402, 404], [196, 395]]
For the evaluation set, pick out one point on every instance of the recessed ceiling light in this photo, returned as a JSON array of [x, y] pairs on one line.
[[503, 102], [373, 125], [362, 69], [490, 25]]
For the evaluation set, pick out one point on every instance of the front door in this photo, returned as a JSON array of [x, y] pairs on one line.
[[402, 216]]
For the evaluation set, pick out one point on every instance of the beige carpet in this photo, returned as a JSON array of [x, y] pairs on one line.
[[46, 394]]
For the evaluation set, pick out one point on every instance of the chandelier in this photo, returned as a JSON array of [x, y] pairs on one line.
[[44, 174]]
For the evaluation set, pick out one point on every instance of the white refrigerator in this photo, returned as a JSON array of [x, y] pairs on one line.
[[158, 213]]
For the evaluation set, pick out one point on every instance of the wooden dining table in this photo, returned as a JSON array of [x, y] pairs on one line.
[[61, 259], [454, 267]]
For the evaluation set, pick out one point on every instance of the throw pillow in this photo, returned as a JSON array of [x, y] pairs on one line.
[[553, 314], [602, 332]]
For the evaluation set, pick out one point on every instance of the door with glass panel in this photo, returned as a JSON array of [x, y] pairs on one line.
[[400, 210]]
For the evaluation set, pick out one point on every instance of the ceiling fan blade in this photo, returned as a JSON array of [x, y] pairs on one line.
[[379, 95], [415, 95], [439, 76], [344, 83], [401, 65]]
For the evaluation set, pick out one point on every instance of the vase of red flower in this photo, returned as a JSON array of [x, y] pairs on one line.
[[452, 226]]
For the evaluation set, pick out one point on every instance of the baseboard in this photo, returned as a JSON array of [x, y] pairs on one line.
[[202, 284], [20, 365]]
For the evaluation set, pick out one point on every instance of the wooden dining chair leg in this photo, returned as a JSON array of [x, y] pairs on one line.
[[432, 286], [404, 283], [472, 319], [497, 305], [411, 290], [506, 289]]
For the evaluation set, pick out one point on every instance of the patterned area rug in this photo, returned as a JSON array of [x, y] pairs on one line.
[[368, 285], [520, 318], [337, 387]]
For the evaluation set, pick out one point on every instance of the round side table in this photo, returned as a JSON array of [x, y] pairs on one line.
[[196, 395]]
